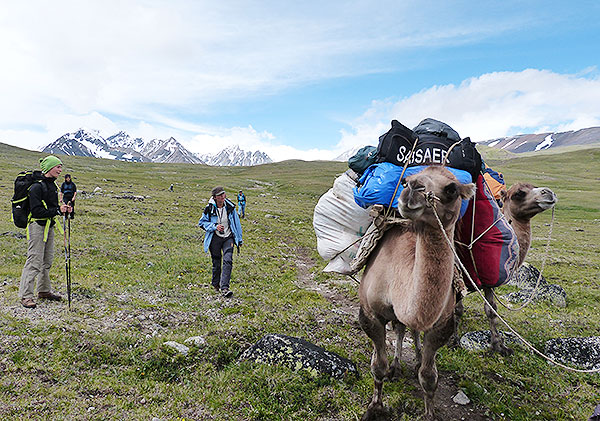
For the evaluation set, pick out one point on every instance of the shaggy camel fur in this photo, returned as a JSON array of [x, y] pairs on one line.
[[408, 281], [521, 202]]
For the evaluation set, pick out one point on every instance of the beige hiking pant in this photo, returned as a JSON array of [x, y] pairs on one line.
[[39, 260]]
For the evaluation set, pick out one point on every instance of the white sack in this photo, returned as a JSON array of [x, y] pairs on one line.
[[340, 223]]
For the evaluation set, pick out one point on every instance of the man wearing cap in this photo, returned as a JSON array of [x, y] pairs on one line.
[[223, 229], [44, 208]]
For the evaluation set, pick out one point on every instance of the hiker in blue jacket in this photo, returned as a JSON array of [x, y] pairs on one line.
[[241, 198], [223, 230]]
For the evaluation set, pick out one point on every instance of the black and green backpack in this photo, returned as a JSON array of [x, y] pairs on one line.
[[20, 200]]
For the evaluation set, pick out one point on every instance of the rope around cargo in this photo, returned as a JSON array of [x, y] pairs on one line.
[[430, 197]]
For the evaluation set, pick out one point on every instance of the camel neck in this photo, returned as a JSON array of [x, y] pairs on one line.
[[433, 271], [522, 229]]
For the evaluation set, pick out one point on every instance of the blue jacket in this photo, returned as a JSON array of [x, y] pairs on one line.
[[208, 222]]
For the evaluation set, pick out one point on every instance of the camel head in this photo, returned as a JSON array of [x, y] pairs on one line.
[[446, 190], [523, 201]]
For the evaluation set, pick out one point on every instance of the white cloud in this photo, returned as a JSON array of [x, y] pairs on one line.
[[489, 106], [155, 68]]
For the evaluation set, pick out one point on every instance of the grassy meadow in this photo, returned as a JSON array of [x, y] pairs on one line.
[[141, 277]]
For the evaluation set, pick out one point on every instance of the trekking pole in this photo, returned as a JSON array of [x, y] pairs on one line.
[[67, 257], [69, 260]]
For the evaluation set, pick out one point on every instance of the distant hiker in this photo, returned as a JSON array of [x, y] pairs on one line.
[[68, 191], [241, 204], [171, 187], [44, 208], [223, 230]]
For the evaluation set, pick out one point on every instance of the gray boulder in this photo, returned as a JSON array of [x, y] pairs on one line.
[[299, 354], [583, 353], [526, 279], [480, 340]]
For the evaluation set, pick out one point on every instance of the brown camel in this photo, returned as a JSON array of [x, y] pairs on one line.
[[408, 281], [521, 202]]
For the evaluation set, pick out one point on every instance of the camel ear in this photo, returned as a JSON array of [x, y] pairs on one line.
[[467, 191]]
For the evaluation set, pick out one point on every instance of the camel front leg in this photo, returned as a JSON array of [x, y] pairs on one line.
[[375, 330], [496, 341], [395, 367], [428, 374]]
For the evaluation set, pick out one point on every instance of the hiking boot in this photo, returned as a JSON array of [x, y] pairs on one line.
[[226, 292], [28, 303], [49, 296]]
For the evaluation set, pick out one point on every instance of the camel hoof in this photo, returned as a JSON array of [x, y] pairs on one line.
[[376, 413]]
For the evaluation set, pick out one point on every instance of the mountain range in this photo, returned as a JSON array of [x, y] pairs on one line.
[[123, 147], [527, 142], [543, 141]]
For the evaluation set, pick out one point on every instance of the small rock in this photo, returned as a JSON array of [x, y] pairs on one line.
[[269, 216], [197, 341], [182, 349], [97, 190], [461, 399]]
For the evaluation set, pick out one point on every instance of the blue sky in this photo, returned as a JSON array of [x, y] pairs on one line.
[[305, 80]]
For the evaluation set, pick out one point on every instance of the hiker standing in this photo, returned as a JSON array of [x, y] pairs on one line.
[[241, 204], [44, 208], [223, 230], [68, 191]]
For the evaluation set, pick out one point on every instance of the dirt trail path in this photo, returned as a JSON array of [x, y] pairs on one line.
[[446, 409]]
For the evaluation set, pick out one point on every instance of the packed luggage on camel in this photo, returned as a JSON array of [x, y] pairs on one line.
[[362, 205]]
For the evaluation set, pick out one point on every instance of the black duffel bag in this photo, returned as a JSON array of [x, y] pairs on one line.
[[437, 143], [395, 145]]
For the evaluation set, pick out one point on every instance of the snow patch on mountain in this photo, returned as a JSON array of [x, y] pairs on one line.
[[545, 144]]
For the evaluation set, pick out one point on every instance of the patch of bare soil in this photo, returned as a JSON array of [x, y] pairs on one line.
[[446, 408]]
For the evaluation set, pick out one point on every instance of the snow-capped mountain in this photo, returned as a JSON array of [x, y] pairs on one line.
[[234, 156], [123, 147], [89, 143], [349, 153], [542, 141], [169, 151]]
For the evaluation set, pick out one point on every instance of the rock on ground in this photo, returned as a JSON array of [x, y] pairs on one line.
[[583, 353], [526, 279], [480, 340], [299, 354], [197, 341], [182, 349]]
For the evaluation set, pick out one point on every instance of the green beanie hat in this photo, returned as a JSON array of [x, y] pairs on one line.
[[49, 162]]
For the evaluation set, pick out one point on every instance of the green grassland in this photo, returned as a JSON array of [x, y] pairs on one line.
[[141, 278]]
